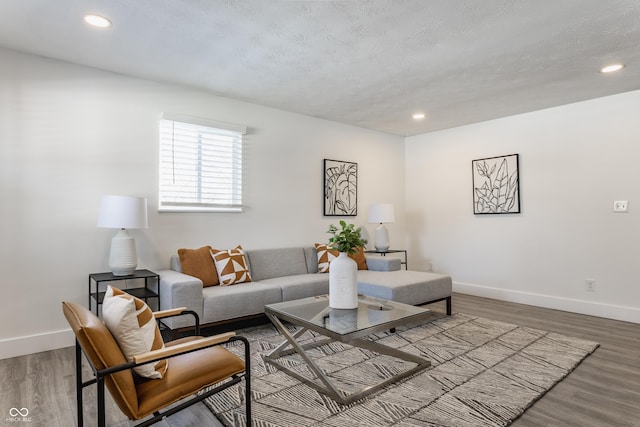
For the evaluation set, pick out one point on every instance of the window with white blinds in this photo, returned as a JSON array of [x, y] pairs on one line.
[[200, 165]]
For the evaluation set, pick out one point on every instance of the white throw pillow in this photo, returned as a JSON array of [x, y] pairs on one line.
[[131, 322], [231, 266], [325, 256]]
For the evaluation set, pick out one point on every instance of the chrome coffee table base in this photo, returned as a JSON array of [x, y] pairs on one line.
[[325, 385]]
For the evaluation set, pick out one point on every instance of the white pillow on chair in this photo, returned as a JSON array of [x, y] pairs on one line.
[[131, 322]]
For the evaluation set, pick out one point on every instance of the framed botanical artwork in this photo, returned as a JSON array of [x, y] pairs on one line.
[[496, 185], [340, 188]]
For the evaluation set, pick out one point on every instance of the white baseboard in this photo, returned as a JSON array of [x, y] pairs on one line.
[[626, 314], [20, 346]]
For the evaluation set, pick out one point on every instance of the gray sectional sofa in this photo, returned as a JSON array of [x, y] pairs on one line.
[[286, 274]]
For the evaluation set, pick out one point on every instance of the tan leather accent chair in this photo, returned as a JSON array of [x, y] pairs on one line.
[[195, 363]]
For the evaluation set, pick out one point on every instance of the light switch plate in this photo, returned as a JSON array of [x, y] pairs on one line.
[[620, 206]]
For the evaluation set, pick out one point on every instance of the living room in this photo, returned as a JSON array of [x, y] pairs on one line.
[[72, 133]]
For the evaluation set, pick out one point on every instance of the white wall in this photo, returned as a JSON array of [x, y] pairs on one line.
[[69, 134], [575, 160]]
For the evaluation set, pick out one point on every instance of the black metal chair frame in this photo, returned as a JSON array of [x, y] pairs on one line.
[[100, 374]]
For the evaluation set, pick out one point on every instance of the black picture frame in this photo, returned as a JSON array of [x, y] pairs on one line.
[[340, 188], [496, 185]]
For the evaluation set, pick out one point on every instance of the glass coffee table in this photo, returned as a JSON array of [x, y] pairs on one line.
[[345, 326]]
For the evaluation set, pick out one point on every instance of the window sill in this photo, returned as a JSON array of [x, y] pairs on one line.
[[185, 209]]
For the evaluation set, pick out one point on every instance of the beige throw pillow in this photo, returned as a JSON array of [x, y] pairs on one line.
[[131, 322]]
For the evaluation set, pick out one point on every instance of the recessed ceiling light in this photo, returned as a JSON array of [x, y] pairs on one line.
[[97, 21], [419, 116], [611, 68]]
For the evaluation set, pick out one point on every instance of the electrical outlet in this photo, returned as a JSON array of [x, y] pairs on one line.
[[590, 285], [620, 206]]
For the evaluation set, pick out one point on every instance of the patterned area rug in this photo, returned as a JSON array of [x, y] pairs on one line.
[[483, 373]]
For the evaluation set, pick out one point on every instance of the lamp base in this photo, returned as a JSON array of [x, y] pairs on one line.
[[382, 238], [123, 260]]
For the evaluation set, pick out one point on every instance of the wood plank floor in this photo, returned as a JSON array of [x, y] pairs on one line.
[[603, 391]]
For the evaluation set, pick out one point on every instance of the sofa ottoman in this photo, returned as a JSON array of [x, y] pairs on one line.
[[406, 286]]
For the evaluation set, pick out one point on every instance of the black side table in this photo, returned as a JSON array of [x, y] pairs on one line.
[[391, 251], [141, 292]]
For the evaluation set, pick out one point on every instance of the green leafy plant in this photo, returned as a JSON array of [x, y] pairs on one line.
[[346, 239]]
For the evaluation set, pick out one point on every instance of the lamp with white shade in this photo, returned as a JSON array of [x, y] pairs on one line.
[[123, 212], [381, 213]]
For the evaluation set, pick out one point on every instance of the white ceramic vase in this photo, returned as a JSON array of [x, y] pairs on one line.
[[343, 282]]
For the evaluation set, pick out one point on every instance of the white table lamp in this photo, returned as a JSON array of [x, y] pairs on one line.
[[381, 213], [123, 212]]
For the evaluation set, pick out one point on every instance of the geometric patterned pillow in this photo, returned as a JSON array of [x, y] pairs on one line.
[[231, 265], [136, 331], [325, 256]]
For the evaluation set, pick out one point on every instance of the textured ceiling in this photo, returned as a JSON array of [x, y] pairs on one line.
[[366, 63]]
